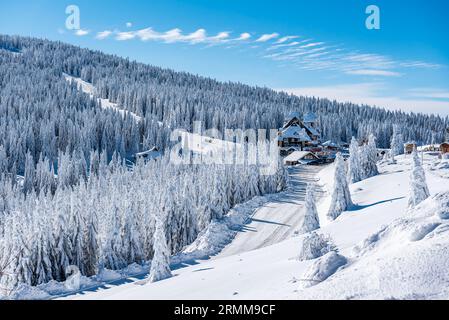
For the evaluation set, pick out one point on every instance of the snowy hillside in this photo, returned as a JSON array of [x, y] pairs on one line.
[[81, 130], [385, 252], [88, 88]]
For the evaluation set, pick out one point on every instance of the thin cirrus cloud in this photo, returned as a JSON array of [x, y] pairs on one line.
[[103, 34], [368, 72], [267, 37], [305, 54], [317, 56], [82, 32], [373, 93], [122, 36], [174, 36], [287, 38], [434, 93], [244, 36]]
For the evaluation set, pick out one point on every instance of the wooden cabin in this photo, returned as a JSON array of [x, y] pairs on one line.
[[151, 154], [409, 147], [429, 148], [301, 157], [297, 133], [331, 146], [444, 148], [292, 136]]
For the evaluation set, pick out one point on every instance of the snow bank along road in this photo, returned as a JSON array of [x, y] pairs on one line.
[[270, 224], [389, 265], [276, 221]]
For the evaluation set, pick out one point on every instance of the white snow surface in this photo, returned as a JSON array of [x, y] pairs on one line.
[[89, 89], [207, 146], [385, 251]]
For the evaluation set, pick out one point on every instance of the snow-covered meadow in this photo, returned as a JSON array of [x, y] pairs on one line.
[[385, 251]]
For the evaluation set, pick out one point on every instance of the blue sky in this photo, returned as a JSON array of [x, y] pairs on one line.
[[319, 47]]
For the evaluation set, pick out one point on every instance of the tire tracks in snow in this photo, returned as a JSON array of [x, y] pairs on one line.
[[278, 219]]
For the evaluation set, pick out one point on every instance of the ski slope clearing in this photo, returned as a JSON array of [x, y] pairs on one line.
[[207, 146], [198, 144], [385, 252], [89, 89]]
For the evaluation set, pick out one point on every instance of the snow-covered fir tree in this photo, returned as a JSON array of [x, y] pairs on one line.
[[363, 160], [354, 170], [160, 264], [397, 142], [311, 220], [341, 197], [418, 189], [369, 160], [315, 245]]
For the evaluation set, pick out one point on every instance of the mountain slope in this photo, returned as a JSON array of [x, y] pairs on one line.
[[397, 262]]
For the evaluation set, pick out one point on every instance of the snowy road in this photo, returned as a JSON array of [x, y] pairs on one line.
[[276, 221]]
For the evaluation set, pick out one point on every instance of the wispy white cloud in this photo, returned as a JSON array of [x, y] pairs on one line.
[[222, 36], [420, 64], [313, 44], [103, 34], [129, 24], [317, 56], [372, 93], [283, 45], [431, 93], [371, 72], [244, 36], [81, 32], [305, 54], [267, 37], [176, 35], [287, 38], [123, 36]]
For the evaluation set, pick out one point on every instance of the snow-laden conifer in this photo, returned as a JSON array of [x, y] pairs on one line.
[[397, 142], [354, 170], [311, 221], [160, 264], [370, 156], [418, 190], [341, 197], [315, 245]]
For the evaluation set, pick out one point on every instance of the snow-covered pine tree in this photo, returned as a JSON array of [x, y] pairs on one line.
[[370, 164], [418, 191], [354, 174], [77, 227], [91, 240], [160, 264], [40, 255], [63, 246], [397, 142], [131, 236], [29, 176], [315, 245], [341, 197], [311, 221]]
